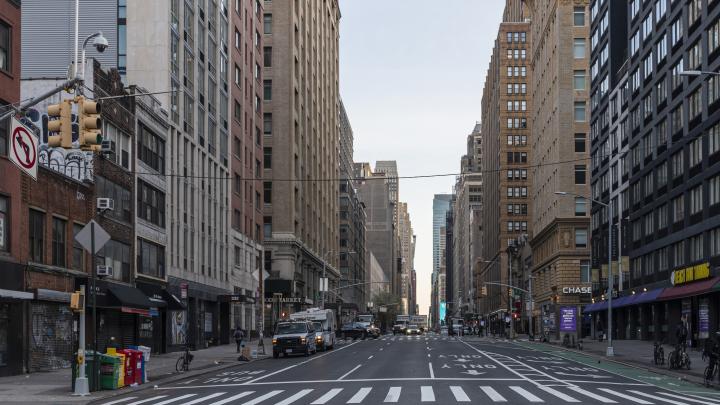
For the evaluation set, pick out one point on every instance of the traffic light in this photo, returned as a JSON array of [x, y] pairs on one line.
[[89, 136], [483, 291], [517, 309], [60, 122]]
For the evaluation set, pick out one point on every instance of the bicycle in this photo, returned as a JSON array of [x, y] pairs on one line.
[[659, 354], [712, 368], [183, 363], [679, 358]]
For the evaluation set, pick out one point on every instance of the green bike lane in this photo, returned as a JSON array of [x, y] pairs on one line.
[[619, 368]]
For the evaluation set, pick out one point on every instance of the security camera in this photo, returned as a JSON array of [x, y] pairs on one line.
[[100, 43]]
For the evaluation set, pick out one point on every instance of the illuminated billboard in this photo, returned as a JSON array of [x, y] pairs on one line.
[[443, 310]]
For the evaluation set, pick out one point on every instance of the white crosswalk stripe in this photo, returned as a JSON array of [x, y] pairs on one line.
[[119, 401], [393, 394], [459, 394], [327, 397], [295, 397], [564, 397], [691, 398], [205, 398], [232, 398], [594, 396], [657, 398], [625, 396], [171, 400], [525, 393], [494, 395], [263, 397], [142, 401], [360, 395], [427, 394]]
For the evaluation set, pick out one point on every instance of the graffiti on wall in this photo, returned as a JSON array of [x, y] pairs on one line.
[[51, 343], [179, 327], [73, 163]]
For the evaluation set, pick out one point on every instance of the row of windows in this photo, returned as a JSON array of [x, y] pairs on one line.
[[517, 123], [517, 192], [516, 54], [517, 106], [517, 157], [516, 226], [516, 37], [517, 209], [516, 88], [680, 254], [517, 140], [517, 71]]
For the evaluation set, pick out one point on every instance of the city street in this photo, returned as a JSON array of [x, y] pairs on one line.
[[432, 369]]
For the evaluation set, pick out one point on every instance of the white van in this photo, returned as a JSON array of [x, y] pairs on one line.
[[324, 322]]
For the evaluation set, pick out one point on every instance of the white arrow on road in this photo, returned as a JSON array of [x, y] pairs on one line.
[[583, 376], [462, 360], [473, 372]]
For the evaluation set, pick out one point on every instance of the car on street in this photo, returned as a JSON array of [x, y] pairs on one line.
[[398, 328], [372, 330], [323, 321], [354, 330], [413, 330], [294, 337], [443, 331]]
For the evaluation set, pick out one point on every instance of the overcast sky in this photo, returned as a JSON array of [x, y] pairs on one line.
[[411, 78]]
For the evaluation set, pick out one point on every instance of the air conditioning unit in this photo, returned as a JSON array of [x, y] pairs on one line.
[[107, 147], [104, 271], [105, 204]]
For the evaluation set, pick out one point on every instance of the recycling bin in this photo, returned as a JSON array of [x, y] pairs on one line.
[[109, 371], [89, 359]]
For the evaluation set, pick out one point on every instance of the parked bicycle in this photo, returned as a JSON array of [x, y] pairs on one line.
[[659, 354], [183, 363], [679, 358], [712, 353]]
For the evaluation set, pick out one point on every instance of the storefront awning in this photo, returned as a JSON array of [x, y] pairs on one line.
[[18, 295], [690, 289], [160, 296], [635, 299], [645, 297]]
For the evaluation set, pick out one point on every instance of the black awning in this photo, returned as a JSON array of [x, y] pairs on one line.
[[129, 296], [160, 296], [173, 302]]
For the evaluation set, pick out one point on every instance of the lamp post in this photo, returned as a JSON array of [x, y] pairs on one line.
[[611, 281]]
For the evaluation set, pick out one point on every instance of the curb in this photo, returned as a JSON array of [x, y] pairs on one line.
[[170, 378]]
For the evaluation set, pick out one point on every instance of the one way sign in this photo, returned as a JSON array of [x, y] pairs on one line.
[[23, 148]]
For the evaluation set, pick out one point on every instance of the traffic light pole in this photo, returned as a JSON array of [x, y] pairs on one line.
[[35, 100]]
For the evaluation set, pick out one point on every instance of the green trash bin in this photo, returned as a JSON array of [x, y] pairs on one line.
[[109, 371], [89, 358]]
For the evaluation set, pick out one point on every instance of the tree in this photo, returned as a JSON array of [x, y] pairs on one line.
[[390, 303]]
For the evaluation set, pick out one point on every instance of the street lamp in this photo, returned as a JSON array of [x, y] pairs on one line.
[[695, 73], [611, 281], [99, 42]]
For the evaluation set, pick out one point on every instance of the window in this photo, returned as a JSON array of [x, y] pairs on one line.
[[662, 216], [150, 259], [695, 56], [36, 231], [580, 174], [661, 48], [714, 188], [579, 16], [267, 227], [714, 139], [267, 90], [696, 200], [579, 111], [78, 252], [579, 143], [579, 80], [267, 192], [676, 32], [696, 248], [695, 152], [267, 56], [120, 196], [150, 204], [679, 254], [267, 24], [5, 47], [678, 167], [267, 123], [694, 11], [676, 117], [580, 207], [237, 40], [581, 237], [585, 272], [116, 255], [660, 7], [634, 8], [59, 232], [662, 175], [151, 148], [715, 242], [714, 36], [4, 224], [579, 48], [678, 205], [635, 43]]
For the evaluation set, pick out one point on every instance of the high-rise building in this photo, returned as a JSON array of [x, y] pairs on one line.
[[506, 104], [559, 126], [407, 253], [302, 75], [441, 204]]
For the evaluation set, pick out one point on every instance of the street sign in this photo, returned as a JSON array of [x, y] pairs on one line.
[[84, 237], [23, 148], [183, 290]]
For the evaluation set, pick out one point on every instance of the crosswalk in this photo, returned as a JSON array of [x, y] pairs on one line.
[[510, 394], [418, 338]]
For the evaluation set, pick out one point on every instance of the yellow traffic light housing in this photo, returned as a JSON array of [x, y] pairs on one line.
[[60, 122], [89, 135]]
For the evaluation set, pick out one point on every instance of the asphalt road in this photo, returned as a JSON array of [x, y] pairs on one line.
[[426, 369]]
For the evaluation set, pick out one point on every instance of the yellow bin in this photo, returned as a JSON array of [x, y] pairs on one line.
[[121, 379]]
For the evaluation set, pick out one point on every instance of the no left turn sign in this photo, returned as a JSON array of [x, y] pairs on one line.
[[23, 148]]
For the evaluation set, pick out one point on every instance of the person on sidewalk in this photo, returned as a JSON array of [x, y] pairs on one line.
[[681, 332], [238, 336]]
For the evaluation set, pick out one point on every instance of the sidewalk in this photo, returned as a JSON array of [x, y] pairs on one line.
[[53, 387]]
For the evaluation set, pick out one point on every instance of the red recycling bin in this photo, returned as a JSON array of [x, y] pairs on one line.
[[133, 366]]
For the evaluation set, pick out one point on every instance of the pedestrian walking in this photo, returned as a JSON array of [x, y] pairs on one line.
[[238, 336]]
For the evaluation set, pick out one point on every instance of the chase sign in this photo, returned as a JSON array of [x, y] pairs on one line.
[[577, 290]]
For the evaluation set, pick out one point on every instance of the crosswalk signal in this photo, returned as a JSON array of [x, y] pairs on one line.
[[60, 123], [89, 121]]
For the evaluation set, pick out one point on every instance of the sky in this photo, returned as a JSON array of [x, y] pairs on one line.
[[411, 78]]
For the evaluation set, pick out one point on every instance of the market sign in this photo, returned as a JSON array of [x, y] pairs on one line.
[[289, 300], [577, 290], [688, 274]]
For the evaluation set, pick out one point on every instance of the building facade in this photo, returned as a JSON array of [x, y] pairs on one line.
[[441, 204], [558, 87], [303, 245]]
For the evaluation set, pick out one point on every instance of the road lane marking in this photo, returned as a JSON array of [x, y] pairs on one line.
[[428, 354], [205, 398], [147, 400], [327, 397], [370, 357], [170, 401], [523, 392], [432, 373], [300, 364], [494, 395], [381, 349], [263, 397], [119, 401], [295, 397], [690, 397], [188, 381], [349, 372], [393, 394], [625, 396], [564, 397], [592, 395], [670, 401], [360, 395], [459, 393], [232, 398], [427, 394], [357, 380]]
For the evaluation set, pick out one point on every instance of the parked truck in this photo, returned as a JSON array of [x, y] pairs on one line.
[[324, 322]]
